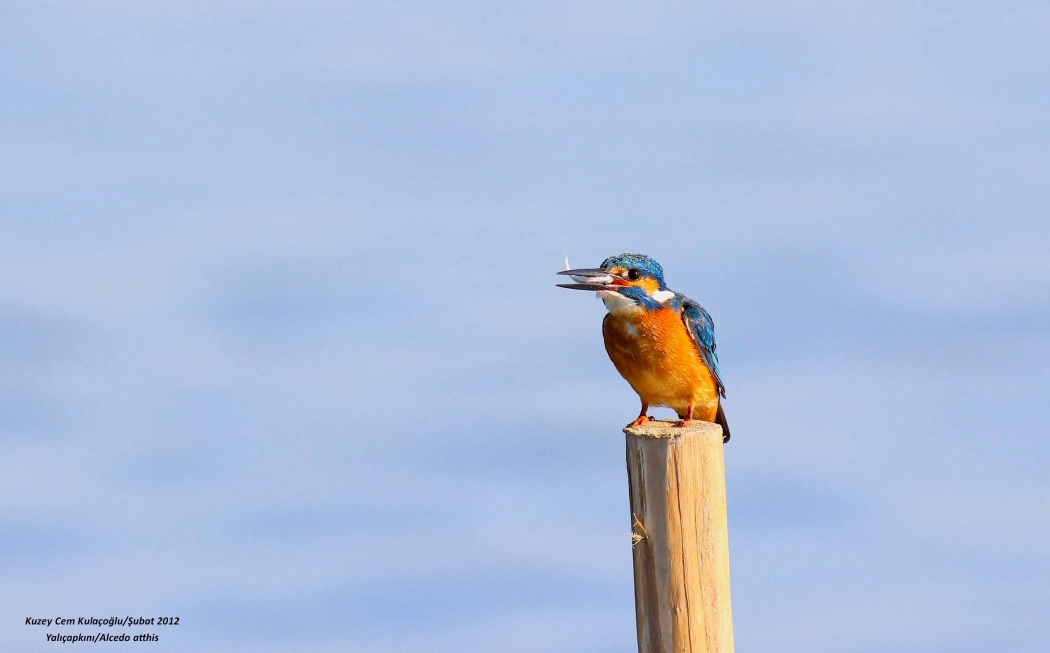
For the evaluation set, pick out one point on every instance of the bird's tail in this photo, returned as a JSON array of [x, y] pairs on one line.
[[720, 419]]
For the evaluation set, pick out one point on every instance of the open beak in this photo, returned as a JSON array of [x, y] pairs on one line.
[[592, 279]]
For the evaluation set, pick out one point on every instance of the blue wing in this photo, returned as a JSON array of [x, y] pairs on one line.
[[702, 330]]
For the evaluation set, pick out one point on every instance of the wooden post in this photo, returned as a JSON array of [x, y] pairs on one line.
[[681, 538]]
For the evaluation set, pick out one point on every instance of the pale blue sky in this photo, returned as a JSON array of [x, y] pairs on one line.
[[281, 352]]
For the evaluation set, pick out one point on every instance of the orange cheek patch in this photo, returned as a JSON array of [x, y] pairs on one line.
[[650, 285]]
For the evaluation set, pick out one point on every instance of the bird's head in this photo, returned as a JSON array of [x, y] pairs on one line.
[[625, 281]]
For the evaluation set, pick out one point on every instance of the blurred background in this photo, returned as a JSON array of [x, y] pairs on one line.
[[281, 352]]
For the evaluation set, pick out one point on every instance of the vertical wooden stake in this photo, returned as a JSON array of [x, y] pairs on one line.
[[681, 538]]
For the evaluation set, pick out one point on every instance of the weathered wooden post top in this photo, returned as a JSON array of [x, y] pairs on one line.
[[680, 536]]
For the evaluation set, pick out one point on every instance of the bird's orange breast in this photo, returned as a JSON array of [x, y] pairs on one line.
[[652, 350]]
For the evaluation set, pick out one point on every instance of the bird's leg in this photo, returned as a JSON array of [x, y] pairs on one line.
[[642, 417], [688, 419]]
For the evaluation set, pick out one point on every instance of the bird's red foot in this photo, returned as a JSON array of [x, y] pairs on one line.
[[688, 419], [642, 419]]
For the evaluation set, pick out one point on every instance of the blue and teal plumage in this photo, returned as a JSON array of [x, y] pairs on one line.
[[702, 329], [645, 265]]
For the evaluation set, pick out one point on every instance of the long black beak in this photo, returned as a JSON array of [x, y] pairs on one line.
[[586, 272], [590, 279], [590, 286]]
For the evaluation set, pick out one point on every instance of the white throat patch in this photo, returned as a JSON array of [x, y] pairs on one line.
[[617, 304], [620, 305]]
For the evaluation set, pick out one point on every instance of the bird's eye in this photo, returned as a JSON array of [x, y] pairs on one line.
[[634, 275]]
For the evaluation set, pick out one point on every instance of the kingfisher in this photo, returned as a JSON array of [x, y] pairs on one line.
[[660, 341]]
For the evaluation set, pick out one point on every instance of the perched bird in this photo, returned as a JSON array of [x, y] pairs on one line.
[[661, 341]]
